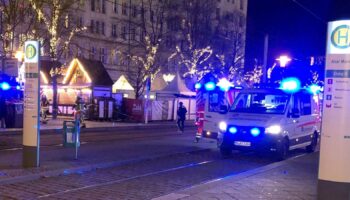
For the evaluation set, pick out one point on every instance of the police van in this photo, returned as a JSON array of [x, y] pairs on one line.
[[271, 120]]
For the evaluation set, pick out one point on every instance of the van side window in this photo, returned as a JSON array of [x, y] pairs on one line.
[[241, 102], [305, 104], [216, 100]]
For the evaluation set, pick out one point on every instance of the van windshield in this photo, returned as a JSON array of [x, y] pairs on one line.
[[262, 103]]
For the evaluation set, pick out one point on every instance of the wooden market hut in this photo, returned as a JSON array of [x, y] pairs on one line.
[[85, 78]]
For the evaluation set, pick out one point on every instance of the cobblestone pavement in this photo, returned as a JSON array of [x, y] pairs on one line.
[[140, 180], [294, 179], [109, 148], [127, 167]]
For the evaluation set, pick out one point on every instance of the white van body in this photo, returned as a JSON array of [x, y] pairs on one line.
[[271, 120], [208, 111]]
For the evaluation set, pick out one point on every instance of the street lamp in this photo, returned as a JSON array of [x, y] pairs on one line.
[[284, 60], [19, 55]]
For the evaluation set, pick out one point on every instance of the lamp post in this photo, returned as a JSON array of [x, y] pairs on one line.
[[284, 60]]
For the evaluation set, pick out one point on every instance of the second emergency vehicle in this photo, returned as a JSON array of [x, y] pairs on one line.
[[210, 96]]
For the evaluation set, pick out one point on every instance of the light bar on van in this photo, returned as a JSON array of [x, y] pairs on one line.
[[224, 84], [198, 86], [314, 89], [290, 85], [210, 86]]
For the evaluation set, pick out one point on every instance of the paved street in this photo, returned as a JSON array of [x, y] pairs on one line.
[[135, 164]]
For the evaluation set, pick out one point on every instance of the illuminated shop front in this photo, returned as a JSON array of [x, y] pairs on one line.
[[85, 78]]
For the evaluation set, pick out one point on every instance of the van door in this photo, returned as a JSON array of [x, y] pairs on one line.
[[292, 119], [212, 108], [305, 123]]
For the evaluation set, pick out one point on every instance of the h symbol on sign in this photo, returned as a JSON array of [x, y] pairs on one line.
[[345, 36]]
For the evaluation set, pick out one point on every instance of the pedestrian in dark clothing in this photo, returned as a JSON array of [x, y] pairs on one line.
[[2, 111], [181, 117]]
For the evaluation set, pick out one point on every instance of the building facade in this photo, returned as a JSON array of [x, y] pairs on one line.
[[115, 28]]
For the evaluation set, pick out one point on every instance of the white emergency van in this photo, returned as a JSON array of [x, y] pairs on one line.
[[209, 100], [271, 120]]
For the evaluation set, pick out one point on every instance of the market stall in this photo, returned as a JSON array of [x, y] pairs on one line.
[[85, 78]]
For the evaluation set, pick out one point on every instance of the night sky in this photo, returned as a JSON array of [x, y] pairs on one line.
[[295, 27]]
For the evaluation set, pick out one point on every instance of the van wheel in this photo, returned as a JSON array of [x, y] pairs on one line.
[[282, 150], [225, 151], [312, 147]]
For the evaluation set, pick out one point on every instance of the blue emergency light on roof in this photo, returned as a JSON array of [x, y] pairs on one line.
[[5, 86], [198, 86], [224, 84], [314, 89], [210, 86], [290, 85]]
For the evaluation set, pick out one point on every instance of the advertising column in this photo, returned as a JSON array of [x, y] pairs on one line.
[[31, 127], [334, 169]]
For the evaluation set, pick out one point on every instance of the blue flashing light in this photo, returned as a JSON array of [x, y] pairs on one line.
[[233, 130], [224, 84], [18, 87], [314, 89], [210, 86], [255, 132], [198, 86], [290, 85], [5, 86]]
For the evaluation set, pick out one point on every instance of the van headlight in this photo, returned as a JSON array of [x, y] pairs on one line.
[[223, 126], [274, 130]]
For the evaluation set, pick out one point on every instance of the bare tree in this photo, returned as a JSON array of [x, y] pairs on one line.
[[193, 59], [145, 53], [59, 31], [229, 41], [17, 19], [212, 42]]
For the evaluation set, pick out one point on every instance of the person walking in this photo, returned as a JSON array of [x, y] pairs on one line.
[[181, 117], [2, 111]]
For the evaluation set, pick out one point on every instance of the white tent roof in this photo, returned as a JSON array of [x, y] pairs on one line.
[[177, 86], [122, 84]]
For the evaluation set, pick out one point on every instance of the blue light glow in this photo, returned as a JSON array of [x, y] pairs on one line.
[[255, 132], [233, 130], [210, 86], [18, 87], [198, 86], [5, 86], [314, 89], [224, 84], [290, 85]]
